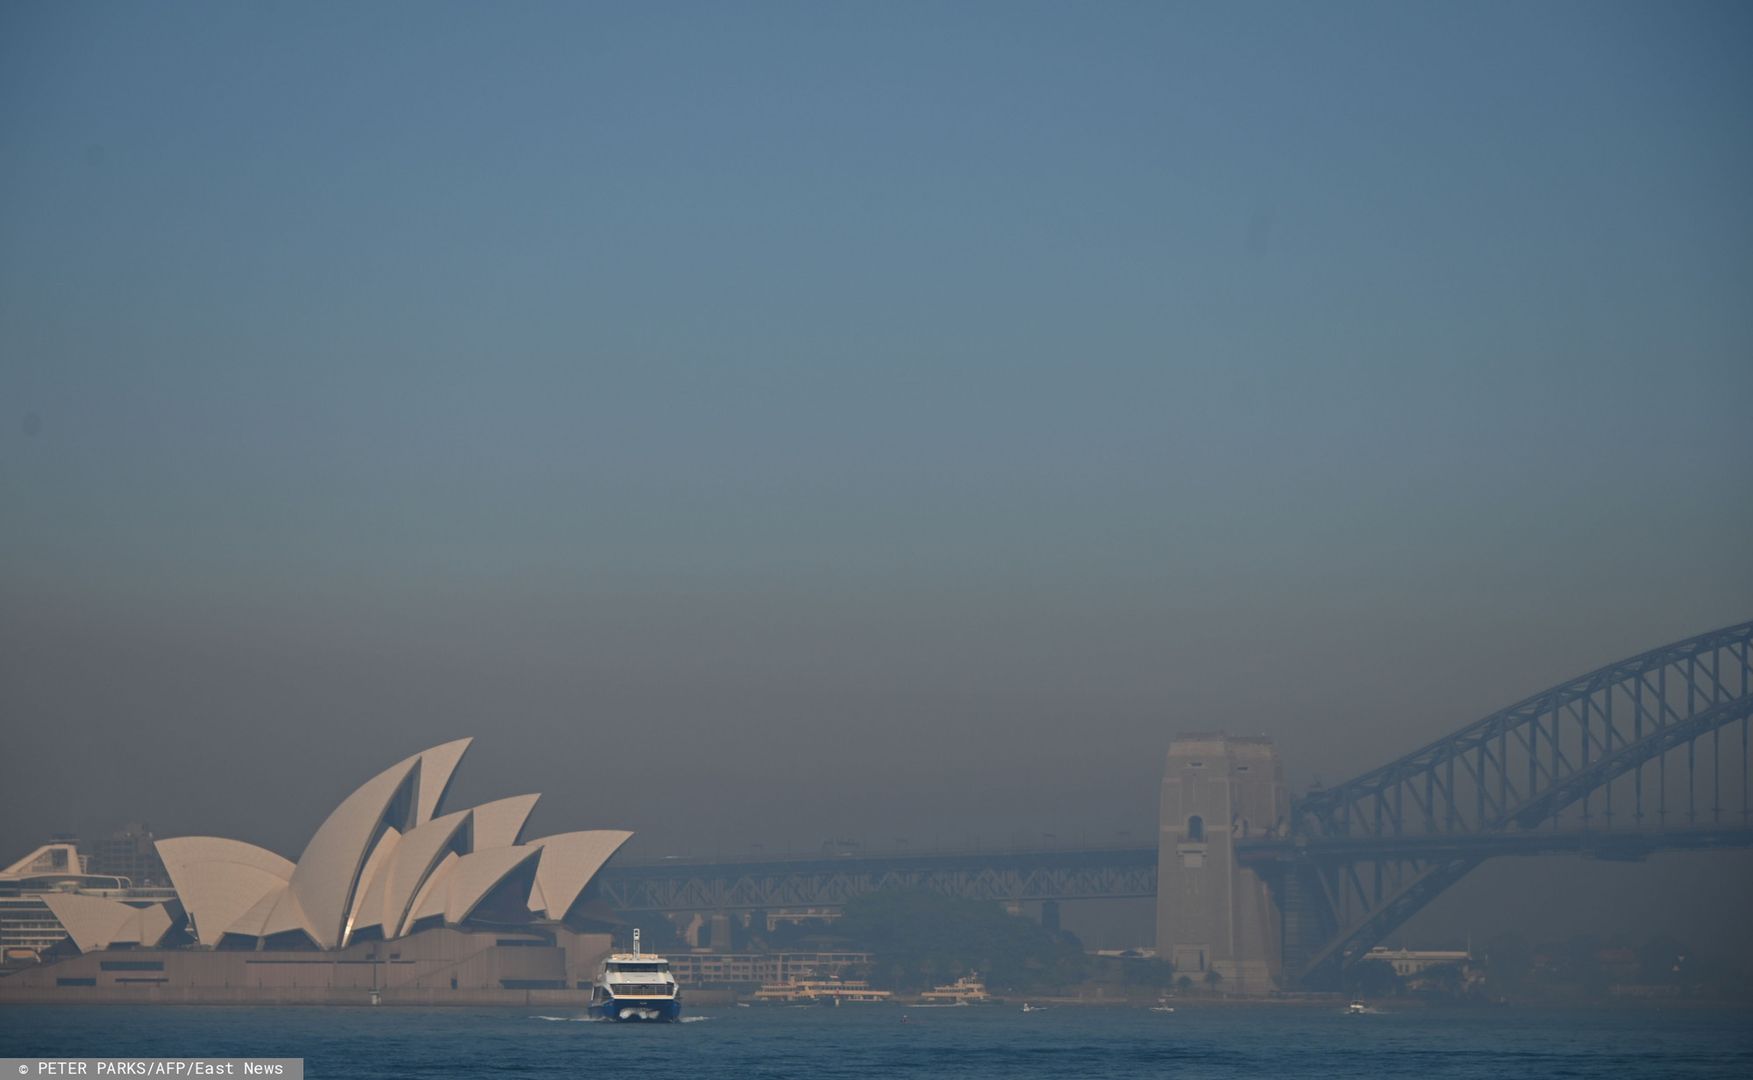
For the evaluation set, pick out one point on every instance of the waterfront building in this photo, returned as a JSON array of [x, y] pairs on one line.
[[1409, 962], [129, 853]]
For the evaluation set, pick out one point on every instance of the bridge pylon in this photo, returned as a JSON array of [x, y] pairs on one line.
[[1214, 914]]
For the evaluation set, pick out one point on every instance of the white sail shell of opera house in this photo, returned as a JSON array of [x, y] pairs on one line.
[[95, 922], [369, 901], [409, 860], [570, 861], [478, 874], [328, 872], [221, 879], [500, 822]]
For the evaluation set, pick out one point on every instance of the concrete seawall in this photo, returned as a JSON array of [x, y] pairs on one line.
[[575, 1000]]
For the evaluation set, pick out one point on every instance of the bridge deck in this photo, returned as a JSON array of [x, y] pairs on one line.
[[1628, 845], [1105, 873], [830, 880]]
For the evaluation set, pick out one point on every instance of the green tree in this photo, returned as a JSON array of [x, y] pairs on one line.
[[1372, 978], [921, 939], [1659, 961], [1154, 973], [1508, 959], [1579, 965]]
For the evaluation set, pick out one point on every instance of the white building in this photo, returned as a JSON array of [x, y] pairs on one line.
[[1410, 962], [386, 866]]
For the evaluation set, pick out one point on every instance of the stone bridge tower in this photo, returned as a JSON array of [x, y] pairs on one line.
[[1212, 914]]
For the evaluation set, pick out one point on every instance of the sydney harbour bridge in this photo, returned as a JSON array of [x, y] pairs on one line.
[[1645, 755]]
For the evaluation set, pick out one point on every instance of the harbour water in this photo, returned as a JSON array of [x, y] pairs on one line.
[[897, 1041]]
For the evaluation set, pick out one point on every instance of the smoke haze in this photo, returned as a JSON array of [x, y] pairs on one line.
[[769, 424]]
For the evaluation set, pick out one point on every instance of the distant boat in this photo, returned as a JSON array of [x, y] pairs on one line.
[[1033, 1008], [820, 992], [967, 990], [1356, 1007], [1162, 1005]]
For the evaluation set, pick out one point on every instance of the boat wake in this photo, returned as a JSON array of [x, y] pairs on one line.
[[574, 1019], [606, 1020]]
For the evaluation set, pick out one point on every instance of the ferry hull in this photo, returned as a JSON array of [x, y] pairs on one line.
[[639, 1010]]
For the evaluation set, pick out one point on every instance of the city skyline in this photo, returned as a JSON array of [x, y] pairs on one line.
[[865, 419]]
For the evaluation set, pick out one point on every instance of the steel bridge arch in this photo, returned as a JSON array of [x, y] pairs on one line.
[[1365, 855]]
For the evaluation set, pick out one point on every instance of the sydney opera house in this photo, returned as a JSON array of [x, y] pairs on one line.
[[393, 899]]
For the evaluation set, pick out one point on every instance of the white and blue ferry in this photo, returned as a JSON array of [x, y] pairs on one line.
[[634, 986]]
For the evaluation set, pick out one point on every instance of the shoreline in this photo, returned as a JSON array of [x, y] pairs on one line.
[[704, 998]]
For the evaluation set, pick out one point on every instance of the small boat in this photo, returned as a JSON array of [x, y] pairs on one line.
[[634, 986], [1357, 1007], [1034, 1008], [1162, 1005]]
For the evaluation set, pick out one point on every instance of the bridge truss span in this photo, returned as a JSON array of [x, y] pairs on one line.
[[1011, 876], [1648, 753]]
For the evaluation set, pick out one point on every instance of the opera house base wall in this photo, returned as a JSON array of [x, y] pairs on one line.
[[434, 967], [249, 996]]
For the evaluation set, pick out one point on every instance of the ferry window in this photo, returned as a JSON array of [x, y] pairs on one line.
[[1196, 828]]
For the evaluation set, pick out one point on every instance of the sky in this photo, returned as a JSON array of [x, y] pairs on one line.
[[767, 423]]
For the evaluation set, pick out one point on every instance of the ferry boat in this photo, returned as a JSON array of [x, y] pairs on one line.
[[820, 992], [635, 986], [967, 990]]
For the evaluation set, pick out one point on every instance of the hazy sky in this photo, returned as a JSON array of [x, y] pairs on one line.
[[765, 423]]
